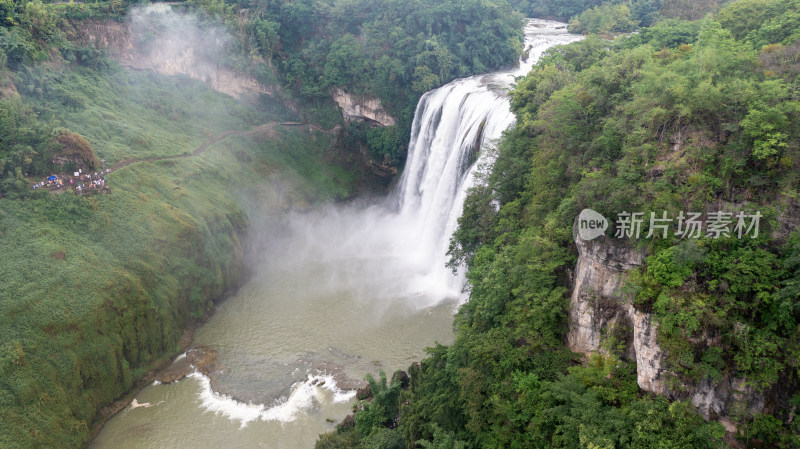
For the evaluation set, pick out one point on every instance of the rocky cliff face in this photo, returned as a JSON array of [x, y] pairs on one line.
[[156, 39], [362, 108], [169, 44], [601, 310]]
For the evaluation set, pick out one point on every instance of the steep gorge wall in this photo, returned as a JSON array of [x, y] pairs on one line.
[[186, 49], [137, 45], [600, 309], [109, 310]]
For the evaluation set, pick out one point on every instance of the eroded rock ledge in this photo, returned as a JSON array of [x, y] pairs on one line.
[[357, 108], [600, 308]]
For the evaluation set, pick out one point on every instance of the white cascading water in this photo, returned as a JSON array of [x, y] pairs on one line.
[[399, 251], [392, 258], [454, 132]]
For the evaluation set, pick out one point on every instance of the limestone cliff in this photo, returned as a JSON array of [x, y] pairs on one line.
[[600, 308], [362, 108]]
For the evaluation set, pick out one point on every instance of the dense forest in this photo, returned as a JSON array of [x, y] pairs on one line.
[[97, 289], [391, 49], [683, 115]]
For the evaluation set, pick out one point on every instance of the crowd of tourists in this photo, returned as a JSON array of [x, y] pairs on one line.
[[79, 182]]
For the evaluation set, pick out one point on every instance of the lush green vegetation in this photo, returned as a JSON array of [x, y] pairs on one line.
[[644, 12], [679, 117], [625, 16], [31, 34], [97, 289], [605, 18], [394, 50]]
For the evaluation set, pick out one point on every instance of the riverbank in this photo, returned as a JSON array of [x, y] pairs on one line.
[[163, 371], [110, 410], [363, 288]]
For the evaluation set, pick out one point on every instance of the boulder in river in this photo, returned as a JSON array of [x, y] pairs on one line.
[[204, 359]]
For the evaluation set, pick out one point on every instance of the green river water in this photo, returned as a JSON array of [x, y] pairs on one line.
[[292, 320]]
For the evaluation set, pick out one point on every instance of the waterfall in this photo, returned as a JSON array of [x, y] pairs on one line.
[[454, 132], [398, 251]]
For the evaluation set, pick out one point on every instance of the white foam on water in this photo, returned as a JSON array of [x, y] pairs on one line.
[[400, 248], [225, 405], [305, 395]]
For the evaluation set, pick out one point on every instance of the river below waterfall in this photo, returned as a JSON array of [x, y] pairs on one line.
[[344, 291]]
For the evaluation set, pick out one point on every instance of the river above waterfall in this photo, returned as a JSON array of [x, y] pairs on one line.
[[344, 291]]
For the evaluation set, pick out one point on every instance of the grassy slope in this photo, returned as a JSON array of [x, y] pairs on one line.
[[96, 289], [126, 113]]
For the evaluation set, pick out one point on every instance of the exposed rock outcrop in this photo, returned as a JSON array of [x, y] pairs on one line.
[[177, 46], [596, 304], [650, 370], [348, 422], [730, 397], [364, 392], [362, 108], [198, 358], [179, 369], [402, 378], [600, 309]]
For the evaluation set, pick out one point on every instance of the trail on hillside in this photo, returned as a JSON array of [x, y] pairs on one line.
[[263, 129]]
